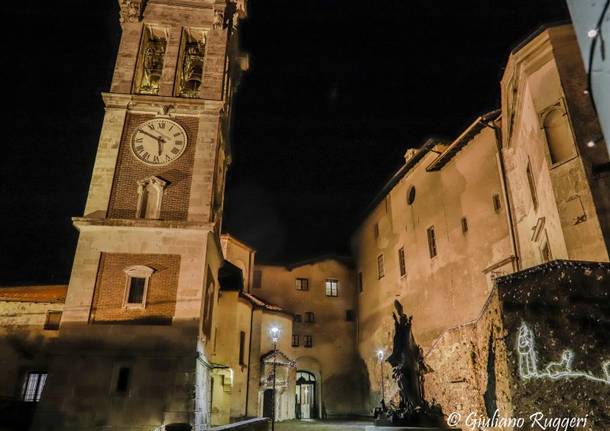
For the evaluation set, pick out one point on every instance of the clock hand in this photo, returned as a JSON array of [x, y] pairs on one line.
[[152, 136]]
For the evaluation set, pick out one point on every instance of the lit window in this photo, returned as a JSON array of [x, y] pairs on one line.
[[295, 340], [53, 320], [310, 317], [332, 287], [464, 223], [401, 262], [138, 278], [380, 268], [32, 386], [431, 241], [496, 202], [297, 318], [302, 284], [349, 315], [532, 185], [257, 283], [307, 340]]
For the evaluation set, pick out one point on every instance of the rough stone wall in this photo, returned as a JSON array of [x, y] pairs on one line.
[[17, 313], [567, 306], [129, 171], [110, 290]]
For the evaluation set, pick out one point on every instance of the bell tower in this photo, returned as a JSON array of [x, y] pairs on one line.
[[144, 279]]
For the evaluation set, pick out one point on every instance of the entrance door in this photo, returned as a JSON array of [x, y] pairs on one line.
[[306, 395], [268, 403]]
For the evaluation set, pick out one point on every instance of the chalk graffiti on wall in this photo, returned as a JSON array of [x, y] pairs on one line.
[[528, 362]]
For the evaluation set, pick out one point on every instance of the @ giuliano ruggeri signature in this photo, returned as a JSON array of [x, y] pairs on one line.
[[528, 362]]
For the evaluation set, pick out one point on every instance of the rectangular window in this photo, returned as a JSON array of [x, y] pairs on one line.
[[431, 241], [532, 186], [401, 262], [257, 282], [122, 380], [496, 202], [136, 290], [32, 386], [302, 284], [349, 315], [310, 317], [380, 268], [307, 340], [332, 287], [295, 340], [242, 346], [297, 318], [464, 223], [360, 282], [53, 320]]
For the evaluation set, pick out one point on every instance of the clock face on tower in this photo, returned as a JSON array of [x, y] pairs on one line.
[[158, 142]]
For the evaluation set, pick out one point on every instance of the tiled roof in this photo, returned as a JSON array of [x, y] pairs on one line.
[[55, 293]]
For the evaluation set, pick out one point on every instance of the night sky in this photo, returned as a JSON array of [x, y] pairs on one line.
[[336, 92]]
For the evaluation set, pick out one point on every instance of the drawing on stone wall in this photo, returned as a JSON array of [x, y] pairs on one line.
[[528, 362]]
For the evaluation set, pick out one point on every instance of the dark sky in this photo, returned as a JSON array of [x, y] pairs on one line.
[[336, 92]]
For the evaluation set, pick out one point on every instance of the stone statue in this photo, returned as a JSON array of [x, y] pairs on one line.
[[408, 369]]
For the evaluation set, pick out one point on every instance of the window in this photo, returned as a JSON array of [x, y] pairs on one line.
[[242, 345], [257, 283], [302, 284], [150, 195], [152, 55], [532, 185], [545, 250], [431, 242], [401, 262], [310, 317], [191, 68], [123, 377], [558, 134], [53, 320], [295, 340], [464, 223], [360, 282], [33, 385], [376, 230], [297, 318], [380, 269], [349, 315], [332, 287], [411, 195], [496, 202], [307, 340], [137, 286]]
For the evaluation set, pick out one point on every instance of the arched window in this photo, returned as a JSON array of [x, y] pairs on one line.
[[558, 134], [150, 194]]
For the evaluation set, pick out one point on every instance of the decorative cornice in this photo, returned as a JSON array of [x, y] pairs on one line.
[[131, 10], [162, 106], [87, 222]]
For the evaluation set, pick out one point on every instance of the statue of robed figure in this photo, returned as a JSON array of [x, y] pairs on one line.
[[408, 369]]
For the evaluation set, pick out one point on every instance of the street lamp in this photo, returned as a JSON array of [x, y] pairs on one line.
[[380, 356], [274, 332]]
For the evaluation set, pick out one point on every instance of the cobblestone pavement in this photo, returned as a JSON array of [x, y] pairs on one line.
[[316, 425]]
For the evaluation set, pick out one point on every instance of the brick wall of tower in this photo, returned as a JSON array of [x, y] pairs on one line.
[[124, 195], [111, 284]]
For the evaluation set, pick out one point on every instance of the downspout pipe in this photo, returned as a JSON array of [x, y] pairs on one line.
[[509, 207]]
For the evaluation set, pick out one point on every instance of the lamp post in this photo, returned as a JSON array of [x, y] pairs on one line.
[[380, 356], [274, 332]]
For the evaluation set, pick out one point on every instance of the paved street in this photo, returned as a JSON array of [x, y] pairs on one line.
[[322, 425]]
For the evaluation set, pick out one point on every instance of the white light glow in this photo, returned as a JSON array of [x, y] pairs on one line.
[[275, 333], [528, 362], [380, 355], [592, 33], [591, 144]]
